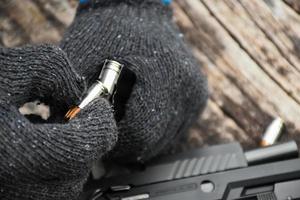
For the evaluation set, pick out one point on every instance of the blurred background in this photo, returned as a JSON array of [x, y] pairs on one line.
[[249, 50]]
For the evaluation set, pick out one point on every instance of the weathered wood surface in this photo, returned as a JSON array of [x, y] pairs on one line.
[[250, 51]]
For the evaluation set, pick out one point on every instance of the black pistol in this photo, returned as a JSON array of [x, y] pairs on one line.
[[213, 173]]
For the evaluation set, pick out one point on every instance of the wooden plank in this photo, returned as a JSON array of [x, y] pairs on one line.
[[295, 4], [237, 22], [60, 11], [231, 100], [234, 62], [215, 127], [280, 25], [10, 33], [212, 127], [222, 90], [28, 16]]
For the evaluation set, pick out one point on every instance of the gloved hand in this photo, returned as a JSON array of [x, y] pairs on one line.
[[169, 91], [48, 160]]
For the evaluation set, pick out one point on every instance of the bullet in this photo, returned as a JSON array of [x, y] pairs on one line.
[[272, 132], [104, 87]]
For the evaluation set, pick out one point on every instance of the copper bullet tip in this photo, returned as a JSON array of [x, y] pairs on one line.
[[273, 132], [264, 143], [72, 113]]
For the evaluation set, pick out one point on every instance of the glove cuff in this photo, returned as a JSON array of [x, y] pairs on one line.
[[111, 28], [151, 5], [129, 2]]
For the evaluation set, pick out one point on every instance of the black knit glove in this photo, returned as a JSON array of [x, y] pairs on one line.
[[48, 160], [169, 91]]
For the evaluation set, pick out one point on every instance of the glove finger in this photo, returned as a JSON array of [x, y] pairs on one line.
[[166, 99], [41, 72], [55, 151]]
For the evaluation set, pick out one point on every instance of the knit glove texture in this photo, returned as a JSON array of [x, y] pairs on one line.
[[169, 91], [50, 160]]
